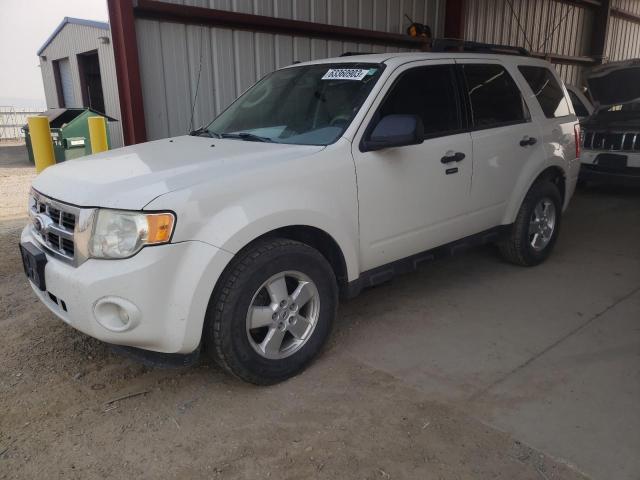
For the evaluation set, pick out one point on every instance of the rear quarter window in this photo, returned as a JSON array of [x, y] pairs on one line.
[[578, 106], [547, 91]]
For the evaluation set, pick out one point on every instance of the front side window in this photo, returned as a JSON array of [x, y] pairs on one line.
[[494, 96], [306, 105], [547, 90], [429, 93]]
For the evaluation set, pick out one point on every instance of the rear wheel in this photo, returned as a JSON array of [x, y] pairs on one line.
[[536, 228], [272, 311]]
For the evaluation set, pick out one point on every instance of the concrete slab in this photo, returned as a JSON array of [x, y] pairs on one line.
[[580, 399], [465, 326]]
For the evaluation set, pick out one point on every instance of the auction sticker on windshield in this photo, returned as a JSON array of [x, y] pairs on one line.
[[345, 74]]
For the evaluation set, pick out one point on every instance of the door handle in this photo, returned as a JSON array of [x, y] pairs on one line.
[[527, 140], [452, 157]]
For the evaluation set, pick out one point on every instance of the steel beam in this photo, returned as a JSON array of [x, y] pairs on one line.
[[125, 49], [583, 3], [600, 31], [259, 23], [454, 19], [624, 14]]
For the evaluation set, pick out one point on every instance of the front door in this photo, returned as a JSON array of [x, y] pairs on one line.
[[414, 198]]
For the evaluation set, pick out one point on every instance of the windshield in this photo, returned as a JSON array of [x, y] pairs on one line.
[[306, 105]]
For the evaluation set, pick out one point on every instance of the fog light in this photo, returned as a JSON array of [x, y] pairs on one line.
[[116, 314]]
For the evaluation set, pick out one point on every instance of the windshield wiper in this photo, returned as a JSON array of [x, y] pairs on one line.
[[246, 136], [204, 131]]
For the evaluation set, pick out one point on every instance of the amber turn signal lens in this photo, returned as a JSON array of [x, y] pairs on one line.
[[160, 227]]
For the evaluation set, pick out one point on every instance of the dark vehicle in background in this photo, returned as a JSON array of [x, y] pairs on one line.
[[611, 135]]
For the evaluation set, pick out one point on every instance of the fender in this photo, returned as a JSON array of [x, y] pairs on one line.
[[274, 221], [229, 213], [527, 178]]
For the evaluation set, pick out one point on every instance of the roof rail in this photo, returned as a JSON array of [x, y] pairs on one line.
[[457, 45], [351, 54]]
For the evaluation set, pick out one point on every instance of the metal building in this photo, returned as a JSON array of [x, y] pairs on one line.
[[78, 70], [214, 50], [574, 35], [180, 62], [173, 56]]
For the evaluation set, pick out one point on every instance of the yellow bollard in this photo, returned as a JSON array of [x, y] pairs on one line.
[[98, 134], [41, 142]]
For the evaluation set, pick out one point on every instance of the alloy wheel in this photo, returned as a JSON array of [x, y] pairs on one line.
[[283, 314], [542, 224]]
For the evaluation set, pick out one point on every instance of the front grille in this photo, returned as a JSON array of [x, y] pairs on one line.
[[68, 220], [53, 225], [611, 141]]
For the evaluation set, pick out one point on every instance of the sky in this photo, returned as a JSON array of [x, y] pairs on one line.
[[24, 27]]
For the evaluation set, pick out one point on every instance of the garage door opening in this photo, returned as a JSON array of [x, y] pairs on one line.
[[91, 81], [64, 83]]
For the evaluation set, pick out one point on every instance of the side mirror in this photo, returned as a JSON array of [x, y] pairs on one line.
[[395, 131]]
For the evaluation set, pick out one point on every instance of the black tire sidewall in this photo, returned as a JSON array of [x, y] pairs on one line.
[[231, 333]]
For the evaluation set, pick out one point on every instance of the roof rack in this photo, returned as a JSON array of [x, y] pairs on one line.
[[457, 45]]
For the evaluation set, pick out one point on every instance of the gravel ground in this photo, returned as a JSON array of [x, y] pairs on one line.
[[71, 408]]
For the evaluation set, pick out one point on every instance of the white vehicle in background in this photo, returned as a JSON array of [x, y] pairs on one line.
[[611, 135], [322, 179]]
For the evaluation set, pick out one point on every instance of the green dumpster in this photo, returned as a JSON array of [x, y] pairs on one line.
[[69, 132]]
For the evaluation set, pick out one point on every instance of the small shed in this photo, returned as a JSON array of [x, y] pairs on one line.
[[78, 70]]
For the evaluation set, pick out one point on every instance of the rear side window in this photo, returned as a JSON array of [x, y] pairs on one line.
[[578, 106], [494, 96], [430, 93], [547, 90]]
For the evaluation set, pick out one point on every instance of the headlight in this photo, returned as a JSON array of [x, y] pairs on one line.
[[121, 234]]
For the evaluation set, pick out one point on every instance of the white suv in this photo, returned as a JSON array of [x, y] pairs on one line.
[[322, 179]]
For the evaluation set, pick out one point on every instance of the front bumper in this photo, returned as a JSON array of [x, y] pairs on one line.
[[166, 286], [628, 176], [592, 171]]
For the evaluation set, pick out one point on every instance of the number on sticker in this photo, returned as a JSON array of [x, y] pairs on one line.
[[345, 74]]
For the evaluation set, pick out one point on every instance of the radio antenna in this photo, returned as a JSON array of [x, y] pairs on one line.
[[195, 97]]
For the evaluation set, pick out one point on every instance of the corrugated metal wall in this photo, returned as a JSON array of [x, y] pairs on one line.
[[70, 41], [624, 36], [229, 61], [546, 26]]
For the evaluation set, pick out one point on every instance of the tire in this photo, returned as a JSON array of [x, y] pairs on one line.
[[517, 248], [252, 281]]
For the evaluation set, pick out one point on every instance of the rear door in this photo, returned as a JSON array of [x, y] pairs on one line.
[[505, 139], [413, 198], [555, 117]]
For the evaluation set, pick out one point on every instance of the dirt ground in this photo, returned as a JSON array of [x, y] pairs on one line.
[[72, 408], [15, 180]]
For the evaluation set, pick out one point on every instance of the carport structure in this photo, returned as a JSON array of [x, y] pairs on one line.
[[179, 63], [546, 358]]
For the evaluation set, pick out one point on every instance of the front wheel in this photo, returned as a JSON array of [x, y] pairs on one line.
[[272, 311], [536, 228]]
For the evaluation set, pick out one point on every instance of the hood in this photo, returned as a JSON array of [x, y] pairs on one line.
[[130, 177], [625, 119], [615, 83]]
